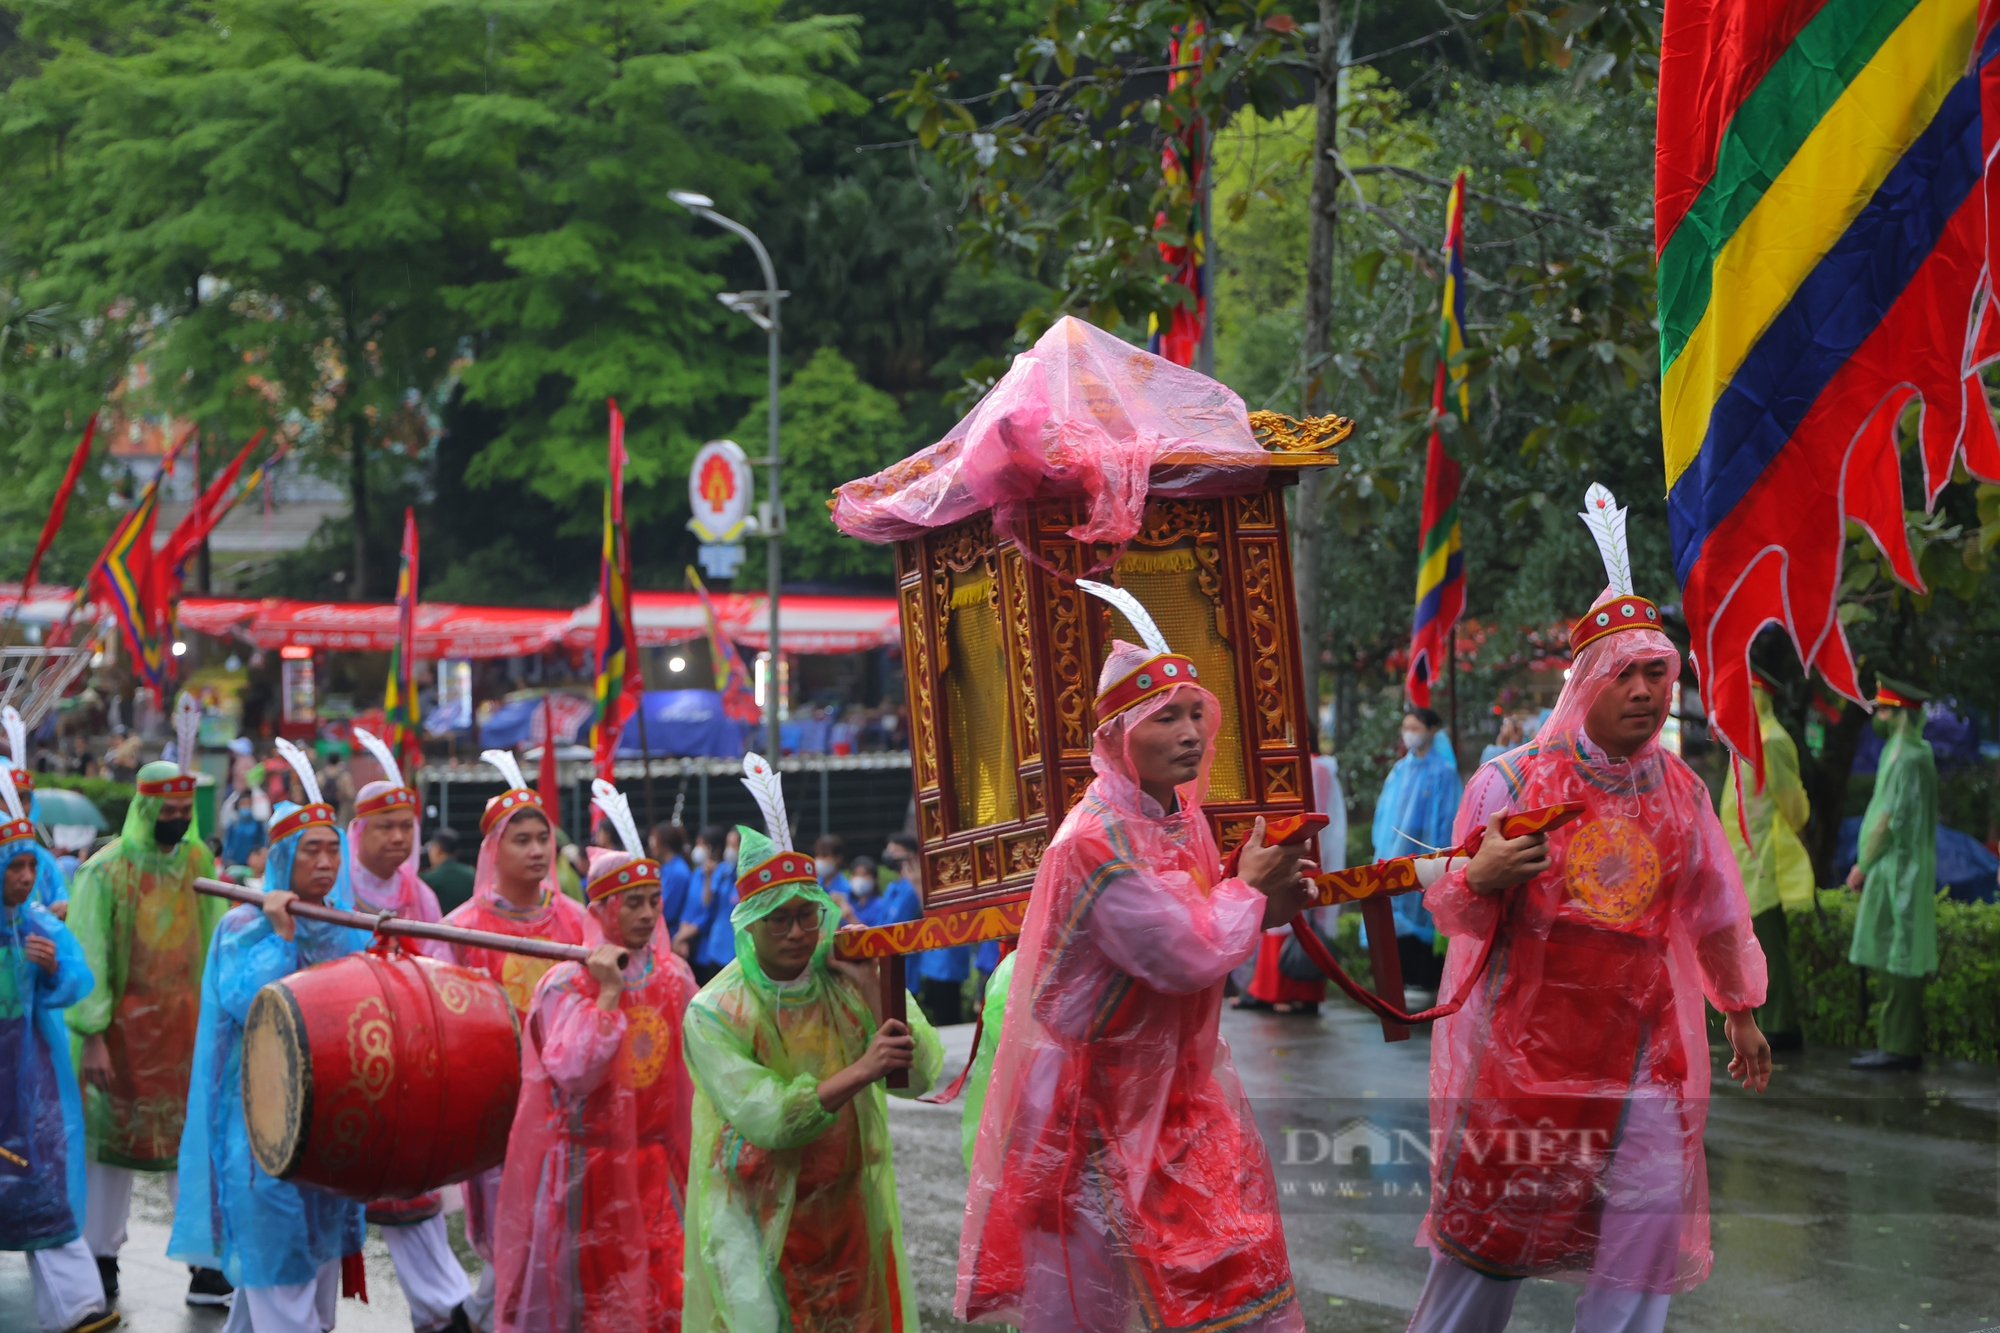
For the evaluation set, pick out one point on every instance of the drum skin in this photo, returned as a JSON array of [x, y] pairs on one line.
[[381, 1075]]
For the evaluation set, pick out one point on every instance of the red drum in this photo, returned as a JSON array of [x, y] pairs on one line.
[[381, 1075]]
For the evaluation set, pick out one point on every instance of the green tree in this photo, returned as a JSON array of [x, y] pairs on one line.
[[836, 428]]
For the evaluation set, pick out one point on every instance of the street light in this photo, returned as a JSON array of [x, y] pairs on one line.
[[761, 308]]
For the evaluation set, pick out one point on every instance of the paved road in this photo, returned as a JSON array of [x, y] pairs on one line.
[[1843, 1202]]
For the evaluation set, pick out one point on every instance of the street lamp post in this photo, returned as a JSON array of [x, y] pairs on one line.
[[762, 310]]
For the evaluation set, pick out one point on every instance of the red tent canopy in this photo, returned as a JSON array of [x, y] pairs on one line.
[[808, 624], [444, 629]]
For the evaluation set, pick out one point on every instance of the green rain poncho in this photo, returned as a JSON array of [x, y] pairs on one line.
[[792, 1220], [1777, 872], [144, 932], [1895, 929]]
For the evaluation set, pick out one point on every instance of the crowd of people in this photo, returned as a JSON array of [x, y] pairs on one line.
[[701, 1139]]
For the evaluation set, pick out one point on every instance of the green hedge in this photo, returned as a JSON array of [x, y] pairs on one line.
[[1961, 1002], [110, 797]]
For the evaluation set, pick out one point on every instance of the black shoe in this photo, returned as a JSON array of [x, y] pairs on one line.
[[96, 1323], [207, 1286], [107, 1269], [461, 1322], [1786, 1041], [1884, 1062]]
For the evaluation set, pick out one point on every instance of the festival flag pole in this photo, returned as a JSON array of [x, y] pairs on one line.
[[1440, 541], [57, 509], [399, 702], [621, 684], [126, 571]]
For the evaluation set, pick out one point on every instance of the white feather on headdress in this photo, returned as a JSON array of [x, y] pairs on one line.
[[1156, 642], [1606, 522], [10, 794], [303, 767], [770, 796], [373, 744], [510, 771], [617, 808], [17, 736], [187, 730]]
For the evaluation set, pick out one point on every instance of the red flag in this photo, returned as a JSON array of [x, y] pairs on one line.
[[545, 782], [126, 576], [55, 518], [202, 516]]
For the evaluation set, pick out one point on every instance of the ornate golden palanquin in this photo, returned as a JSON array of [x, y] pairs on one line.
[[1003, 652]]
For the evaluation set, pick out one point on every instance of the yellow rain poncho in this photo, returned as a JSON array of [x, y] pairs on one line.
[[1776, 870]]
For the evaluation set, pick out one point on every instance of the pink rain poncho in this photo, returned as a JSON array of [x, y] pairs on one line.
[[1082, 412], [555, 917], [589, 1235], [1119, 1181], [1569, 1095]]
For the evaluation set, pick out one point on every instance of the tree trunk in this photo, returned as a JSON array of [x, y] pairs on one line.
[[1826, 787], [1309, 506], [357, 484]]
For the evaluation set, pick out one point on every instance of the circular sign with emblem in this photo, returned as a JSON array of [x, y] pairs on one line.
[[719, 491]]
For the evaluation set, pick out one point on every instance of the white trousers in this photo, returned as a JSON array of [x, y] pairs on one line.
[[301, 1307], [479, 1305], [66, 1285], [108, 1205], [433, 1279], [1458, 1300]]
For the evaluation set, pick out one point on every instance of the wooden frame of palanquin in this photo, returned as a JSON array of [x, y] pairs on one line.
[[1054, 641]]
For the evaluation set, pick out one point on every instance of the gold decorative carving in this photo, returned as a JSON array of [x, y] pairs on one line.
[[1286, 435], [1263, 610], [1075, 782], [1281, 779], [1199, 522], [987, 854], [1257, 509], [954, 552], [1230, 832], [916, 646], [1067, 658], [1027, 711], [951, 869], [1024, 852], [1034, 796], [932, 814]]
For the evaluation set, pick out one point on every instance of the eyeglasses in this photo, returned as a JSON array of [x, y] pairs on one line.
[[781, 926]]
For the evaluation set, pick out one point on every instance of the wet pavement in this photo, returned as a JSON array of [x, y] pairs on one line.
[[1842, 1201]]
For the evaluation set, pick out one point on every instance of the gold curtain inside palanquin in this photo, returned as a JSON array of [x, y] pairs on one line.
[[1167, 584], [978, 706]]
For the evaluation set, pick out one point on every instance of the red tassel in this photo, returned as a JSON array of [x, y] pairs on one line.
[[354, 1277]]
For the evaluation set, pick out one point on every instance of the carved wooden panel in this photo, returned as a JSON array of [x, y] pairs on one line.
[[1281, 780], [1258, 509], [986, 861], [923, 702], [1069, 654], [1034, 796], [1266, 609], [1023, 852], [949, 869], [1019, 626], [1075, 781], [930, 818]]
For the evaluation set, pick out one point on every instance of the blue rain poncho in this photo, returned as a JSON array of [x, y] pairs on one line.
[[260, 1231], [41, 1115], [1413, 817]]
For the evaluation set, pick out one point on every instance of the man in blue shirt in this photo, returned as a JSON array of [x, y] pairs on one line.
[[936, 976], [1413, 817], [707, 929], [669, 848]]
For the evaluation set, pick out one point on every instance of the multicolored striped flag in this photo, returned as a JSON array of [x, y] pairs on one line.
[[619, 679], [127, 576], [739, 698], [400, 710], [1440, 553], [1822, 224]]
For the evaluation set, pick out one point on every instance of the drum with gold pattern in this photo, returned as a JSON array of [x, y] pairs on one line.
[[380, 1075]]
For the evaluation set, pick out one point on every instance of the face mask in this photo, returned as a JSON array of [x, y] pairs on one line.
[[863, 887], [699, 855], [1414, 740], [168, 832], [824, 865]]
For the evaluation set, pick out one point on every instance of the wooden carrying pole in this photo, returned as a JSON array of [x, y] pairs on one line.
[[387, 923]]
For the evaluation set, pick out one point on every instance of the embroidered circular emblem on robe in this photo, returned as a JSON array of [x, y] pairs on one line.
[[1613, 872], [646, 1043], [518, 977], [162, 924]]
